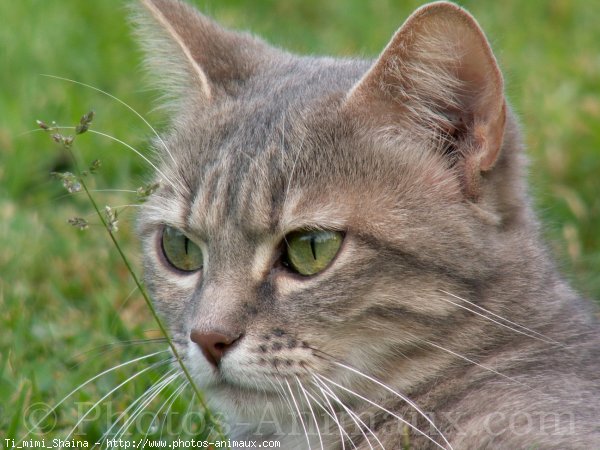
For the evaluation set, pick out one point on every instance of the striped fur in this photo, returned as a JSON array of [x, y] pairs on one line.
[[442, 292]]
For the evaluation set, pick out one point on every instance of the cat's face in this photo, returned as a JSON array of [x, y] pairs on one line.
[[268, 149]]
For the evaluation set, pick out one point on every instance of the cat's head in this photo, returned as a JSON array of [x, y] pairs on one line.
[[317, 214]]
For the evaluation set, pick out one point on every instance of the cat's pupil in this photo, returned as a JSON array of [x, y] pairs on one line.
[[312, 247]]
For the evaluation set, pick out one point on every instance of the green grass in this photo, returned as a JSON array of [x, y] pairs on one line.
[[64, 292]]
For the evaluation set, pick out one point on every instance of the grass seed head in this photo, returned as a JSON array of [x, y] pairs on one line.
[[70, 181], [78, 222], [95, 166], [143, 192], [111, 217]]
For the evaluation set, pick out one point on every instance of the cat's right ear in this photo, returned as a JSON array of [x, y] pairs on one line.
[[438, 77], [189, 55]]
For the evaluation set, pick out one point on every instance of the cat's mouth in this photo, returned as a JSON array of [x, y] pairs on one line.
[[228, 376], [225, 378], [225, 387], [247, 381]]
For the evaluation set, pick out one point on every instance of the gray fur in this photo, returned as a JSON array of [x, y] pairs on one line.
[[431, 215]]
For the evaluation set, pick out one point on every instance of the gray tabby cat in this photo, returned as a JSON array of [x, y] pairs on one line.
[[345, 251]]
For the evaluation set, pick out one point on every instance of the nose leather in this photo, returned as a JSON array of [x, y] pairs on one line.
[[213, 345]]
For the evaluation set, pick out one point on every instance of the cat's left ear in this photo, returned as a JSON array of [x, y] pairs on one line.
[[438, 75], [192, 57]]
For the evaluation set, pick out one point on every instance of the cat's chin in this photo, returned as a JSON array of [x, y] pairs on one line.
[[248, 408], [238, 397]]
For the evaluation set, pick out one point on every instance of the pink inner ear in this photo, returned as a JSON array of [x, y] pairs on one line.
[[493, 134]]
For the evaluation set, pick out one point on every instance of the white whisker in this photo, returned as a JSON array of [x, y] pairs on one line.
[[103, 349], [299, 414], [125, 206], [495, 321], [312, 412], [545, 338], [281, 392], [330, 411], [129, 191], [130, 407], [152, 366], [145, 399], [397, 394], [121, 102], [286, 399], [360, 424], [287, 189], [190, 405], [92, 215], [133, 149], [127, 297], [64, 399], [137, 152], [283, 143], [391, 413], [168, 403], [184, 384], [480, 365]]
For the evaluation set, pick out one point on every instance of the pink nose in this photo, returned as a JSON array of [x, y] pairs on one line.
[[213, 345]]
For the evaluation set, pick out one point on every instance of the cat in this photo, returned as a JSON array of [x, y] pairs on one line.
[[345, 251]]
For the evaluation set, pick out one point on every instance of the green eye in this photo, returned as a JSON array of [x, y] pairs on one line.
[[181, 253], [309, 252]]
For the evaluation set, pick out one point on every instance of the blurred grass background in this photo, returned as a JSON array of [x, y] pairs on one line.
[[64, 294]]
